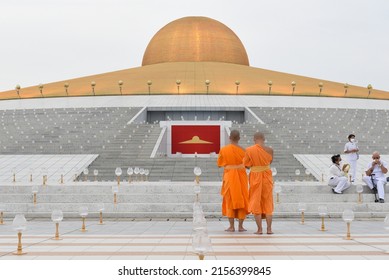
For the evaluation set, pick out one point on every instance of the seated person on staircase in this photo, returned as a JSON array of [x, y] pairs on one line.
[[338, 178], [376, 171]]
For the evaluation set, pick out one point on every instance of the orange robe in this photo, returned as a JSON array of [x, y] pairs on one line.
[[261, 183], [235, 186]]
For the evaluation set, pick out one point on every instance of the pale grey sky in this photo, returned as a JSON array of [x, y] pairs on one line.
[[50, 40]]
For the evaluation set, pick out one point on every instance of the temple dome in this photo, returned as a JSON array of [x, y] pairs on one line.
[[195, 39]]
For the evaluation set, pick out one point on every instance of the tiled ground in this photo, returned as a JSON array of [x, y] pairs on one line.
[[161, 239]]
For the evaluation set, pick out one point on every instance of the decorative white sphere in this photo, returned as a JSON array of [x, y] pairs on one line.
[[322, 211], [348, 215], [118, 171], [19, 223], [83, 211], [359, 188], [302, 206], [197, 171], [57, 216]]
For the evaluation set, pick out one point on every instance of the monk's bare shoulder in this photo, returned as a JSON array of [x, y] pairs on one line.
[[268, 149]]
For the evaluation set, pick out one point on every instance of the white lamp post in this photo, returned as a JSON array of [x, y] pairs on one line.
[[62, 170], [201, 243], [297, 173], [136, 172], [386, 226], [359, 191], [130, 171], [277, 190], [57, 217], [118, 172], [101, 209], [31, 172], [147, 172], [307, 173], [95, 173], [322, 213], [83, 211], [348, 217], [302, 207], [141, 172], [115, 190], [35, 190], [197, 173], [86, 172], [19, 224], [13, 176], [2, 209], [44, 175]]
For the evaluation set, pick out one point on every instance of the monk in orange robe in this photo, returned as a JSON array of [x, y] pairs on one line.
[[235, 188], [258, 158]]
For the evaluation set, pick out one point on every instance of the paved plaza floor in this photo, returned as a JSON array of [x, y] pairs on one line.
[[172, 239]]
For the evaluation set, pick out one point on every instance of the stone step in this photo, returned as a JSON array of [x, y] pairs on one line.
[[100, 198]]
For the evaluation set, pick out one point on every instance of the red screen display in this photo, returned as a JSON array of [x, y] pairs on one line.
[[189, 139]]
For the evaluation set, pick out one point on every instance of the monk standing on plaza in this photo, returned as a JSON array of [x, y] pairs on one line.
[[234, 189], [258, 158]]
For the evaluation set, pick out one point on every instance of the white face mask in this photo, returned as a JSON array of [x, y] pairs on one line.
[[352, 140]]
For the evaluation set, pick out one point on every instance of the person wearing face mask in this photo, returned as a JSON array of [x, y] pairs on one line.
[[338, 181], [376, 171], [351, 149]]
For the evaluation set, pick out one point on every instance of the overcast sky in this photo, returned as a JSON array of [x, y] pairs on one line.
[[50, 40]]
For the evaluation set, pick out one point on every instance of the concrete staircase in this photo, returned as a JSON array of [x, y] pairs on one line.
[[175, 200]]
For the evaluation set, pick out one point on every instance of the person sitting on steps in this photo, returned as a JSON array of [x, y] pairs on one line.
[[338, 179]]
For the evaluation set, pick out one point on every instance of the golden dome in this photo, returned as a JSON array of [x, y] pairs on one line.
[[194, 39]]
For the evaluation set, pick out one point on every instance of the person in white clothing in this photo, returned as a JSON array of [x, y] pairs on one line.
[[338, 181], [351, 149], [376, 171]]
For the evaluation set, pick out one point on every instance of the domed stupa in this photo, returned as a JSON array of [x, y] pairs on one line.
[[195, 39], [195, 55]]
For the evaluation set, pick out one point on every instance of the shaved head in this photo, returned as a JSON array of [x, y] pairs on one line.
[[376, 154], [259, 136], [234, 135]]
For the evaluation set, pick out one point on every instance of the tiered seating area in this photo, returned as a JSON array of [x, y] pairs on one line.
[[106, 132]]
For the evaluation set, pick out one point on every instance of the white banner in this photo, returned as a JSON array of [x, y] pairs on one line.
[[177, 269]]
